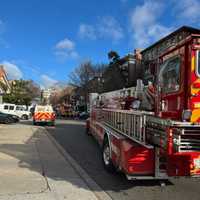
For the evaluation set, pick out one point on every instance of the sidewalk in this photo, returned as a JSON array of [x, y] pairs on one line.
[[32, 167]]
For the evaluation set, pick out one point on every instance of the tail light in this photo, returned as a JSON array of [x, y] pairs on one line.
[[53, 115]]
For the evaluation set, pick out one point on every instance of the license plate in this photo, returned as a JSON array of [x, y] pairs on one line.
[[197, 163]]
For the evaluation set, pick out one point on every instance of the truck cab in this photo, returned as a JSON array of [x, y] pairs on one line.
[[176, 75]]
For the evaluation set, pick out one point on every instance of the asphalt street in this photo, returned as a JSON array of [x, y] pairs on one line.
[[85, 150]]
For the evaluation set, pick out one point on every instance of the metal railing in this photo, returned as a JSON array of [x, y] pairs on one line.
[[130, 123]]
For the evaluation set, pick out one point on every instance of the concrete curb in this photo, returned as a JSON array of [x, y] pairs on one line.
[[93, 186]]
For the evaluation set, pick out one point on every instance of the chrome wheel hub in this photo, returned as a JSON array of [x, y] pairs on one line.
[[106, 155]]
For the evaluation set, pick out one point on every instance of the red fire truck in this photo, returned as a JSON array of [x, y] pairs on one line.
[[157, 135]]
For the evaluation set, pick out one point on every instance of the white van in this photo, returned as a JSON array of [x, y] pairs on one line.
[[19, 110]]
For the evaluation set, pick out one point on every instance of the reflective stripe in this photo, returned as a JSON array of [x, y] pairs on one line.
[[43, 115], [195, 115]]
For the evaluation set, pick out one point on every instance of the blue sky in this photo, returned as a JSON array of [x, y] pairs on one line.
[[45, 40]]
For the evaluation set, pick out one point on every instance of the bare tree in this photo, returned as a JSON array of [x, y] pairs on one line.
[[87, 78], [55, 98], [33, 89], [81, 78], [82, 74], [62, 96]]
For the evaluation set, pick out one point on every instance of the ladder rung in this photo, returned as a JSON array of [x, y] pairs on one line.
[[131, 124]]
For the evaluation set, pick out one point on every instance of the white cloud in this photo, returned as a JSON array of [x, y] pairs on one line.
[[73, 54], [106, 27], [65, 44], [65, 49], [110, 27], [87, 31], [47, 81], [144, 23], [12, 70], [187, 10]]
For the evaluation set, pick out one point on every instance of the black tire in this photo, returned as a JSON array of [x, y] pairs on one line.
[[87, 131], [87, 127], [7, 121], [52, 123], [106, 157], [25, 117]]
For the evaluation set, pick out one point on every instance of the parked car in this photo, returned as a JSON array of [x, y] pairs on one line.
[[83, 115], [8, 118], [4, 119], [14, 118], [19, 110]]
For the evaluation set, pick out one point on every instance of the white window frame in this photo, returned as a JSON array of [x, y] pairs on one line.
[[197, 63]]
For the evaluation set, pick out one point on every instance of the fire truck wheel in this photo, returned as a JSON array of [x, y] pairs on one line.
[[52, 123], [87, 131], [106, 157]]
